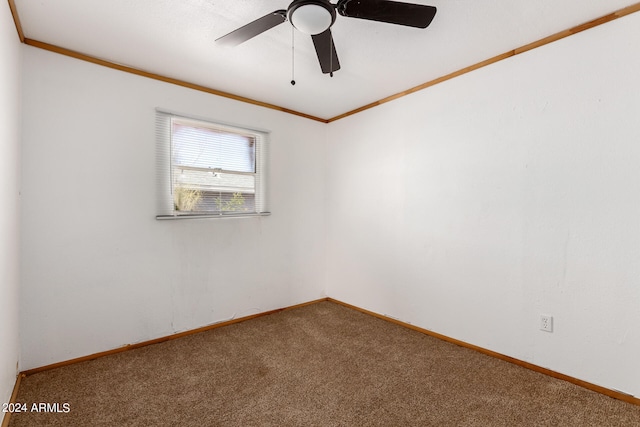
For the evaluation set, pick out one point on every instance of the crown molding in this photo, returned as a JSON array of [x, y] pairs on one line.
[[16, 19]]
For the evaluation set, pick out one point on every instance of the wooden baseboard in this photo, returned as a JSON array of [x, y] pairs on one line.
[[14, 396], [593, 387], [162, 339]]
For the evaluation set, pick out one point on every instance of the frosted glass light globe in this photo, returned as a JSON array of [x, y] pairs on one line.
[[311, 19]]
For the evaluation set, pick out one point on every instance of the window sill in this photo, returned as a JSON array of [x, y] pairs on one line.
[[203, 216]]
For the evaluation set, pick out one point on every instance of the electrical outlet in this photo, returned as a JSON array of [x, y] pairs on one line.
[[546, 323]]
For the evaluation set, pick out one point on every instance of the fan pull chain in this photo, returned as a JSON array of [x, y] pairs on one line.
[[293, 33]]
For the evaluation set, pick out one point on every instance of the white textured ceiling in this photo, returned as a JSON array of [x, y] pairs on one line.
[[176, 39]]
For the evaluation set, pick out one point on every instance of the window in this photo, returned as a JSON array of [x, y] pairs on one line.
[[208, 169]]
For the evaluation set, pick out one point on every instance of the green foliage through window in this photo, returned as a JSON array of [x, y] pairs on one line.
[[185, 199], [235, 204]]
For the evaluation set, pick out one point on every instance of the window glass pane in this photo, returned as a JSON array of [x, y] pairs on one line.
[[201, 147], [224, 202]]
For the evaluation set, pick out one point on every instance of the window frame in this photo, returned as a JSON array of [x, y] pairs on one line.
[[165, 166]]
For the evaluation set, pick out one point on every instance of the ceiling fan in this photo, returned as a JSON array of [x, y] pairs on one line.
[[315, 17]]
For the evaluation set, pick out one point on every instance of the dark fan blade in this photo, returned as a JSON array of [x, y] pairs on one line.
[[326, 51], [411, 15], [254, 28]]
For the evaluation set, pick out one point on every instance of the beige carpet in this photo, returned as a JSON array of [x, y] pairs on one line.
[[319, 365]]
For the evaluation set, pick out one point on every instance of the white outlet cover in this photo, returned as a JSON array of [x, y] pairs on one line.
[[546, 323]]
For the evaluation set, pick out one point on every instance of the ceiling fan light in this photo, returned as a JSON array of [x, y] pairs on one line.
[[311, 18]]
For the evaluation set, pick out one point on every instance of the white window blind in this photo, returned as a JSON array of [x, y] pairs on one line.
[[207, 169]]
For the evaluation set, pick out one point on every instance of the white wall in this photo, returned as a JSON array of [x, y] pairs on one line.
[[472, 207], [10, 66], [99, 271]]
